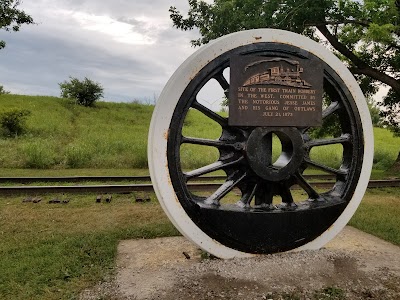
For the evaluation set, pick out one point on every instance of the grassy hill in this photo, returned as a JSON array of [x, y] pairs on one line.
[[62, 135]]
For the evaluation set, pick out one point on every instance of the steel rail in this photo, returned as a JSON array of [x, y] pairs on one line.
[[25, 180], [128, 188]]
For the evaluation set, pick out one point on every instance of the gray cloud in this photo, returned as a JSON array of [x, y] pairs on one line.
[[64, 44]]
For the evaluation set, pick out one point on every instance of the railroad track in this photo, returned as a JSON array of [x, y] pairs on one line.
[[128, 188], [27, 180]]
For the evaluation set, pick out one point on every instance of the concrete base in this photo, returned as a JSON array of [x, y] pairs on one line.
[[356, 264]]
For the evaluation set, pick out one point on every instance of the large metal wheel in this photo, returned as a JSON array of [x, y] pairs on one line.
[[255, 210]]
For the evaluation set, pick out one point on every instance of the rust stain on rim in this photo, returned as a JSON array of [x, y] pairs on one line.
[[165, 135]]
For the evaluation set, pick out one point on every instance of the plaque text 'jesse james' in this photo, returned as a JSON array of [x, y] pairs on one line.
[[275, 91]]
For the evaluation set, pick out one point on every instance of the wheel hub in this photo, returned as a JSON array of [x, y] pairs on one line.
[[259, 152]]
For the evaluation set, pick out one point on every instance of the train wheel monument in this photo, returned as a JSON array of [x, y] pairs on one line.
[[278, 84]]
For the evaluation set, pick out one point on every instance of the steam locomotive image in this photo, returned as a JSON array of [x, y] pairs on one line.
[[287, 73]]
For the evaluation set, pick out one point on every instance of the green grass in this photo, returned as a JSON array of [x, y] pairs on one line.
[[8, 172], [329, 293], [379, 214], [62, 135], [53, 251], [387, 147]]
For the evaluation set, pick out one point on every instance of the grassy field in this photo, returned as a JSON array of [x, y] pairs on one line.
[[53, 251], [61, 135], [379, 214]]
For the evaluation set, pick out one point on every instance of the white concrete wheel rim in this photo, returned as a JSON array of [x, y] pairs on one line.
[[162, 115]]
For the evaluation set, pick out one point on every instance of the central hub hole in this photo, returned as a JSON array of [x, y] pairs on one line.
[[281, 149], [274, 153], [276, 148]]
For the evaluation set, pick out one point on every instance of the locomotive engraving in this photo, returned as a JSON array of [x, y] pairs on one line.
[[288, 74]]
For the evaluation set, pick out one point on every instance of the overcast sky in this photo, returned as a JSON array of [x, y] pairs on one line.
[[129, 46]]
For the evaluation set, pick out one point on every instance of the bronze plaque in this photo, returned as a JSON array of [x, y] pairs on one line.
[[275, 91]]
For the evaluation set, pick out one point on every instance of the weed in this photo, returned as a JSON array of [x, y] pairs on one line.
[[78, 156], [39, 154], [329, 293], [206, 255]]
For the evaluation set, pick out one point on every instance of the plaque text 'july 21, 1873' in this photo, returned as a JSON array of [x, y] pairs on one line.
[[275, 91]]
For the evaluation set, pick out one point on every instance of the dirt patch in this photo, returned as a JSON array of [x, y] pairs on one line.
[[355, 265]]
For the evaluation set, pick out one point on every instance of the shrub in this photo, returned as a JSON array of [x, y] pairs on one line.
[[13, 122], [3, 91], [85, 92]]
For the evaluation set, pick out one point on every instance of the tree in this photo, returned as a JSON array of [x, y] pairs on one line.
[[3, 91], [392, 112], [374, 111], [85, 92], [11, 18], [364, 34]]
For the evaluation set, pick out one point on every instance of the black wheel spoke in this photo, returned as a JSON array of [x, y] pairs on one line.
[[208, 142], [312, 194], [264, 197], [209, 113], [334, 106], [218, 165], [326, 168], [248, 195], [225, 188], [323, 142], [287, 198], [286, 194], [222, 81]]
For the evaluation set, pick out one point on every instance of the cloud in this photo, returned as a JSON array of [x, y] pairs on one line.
[[129, 47], [119, 31]]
